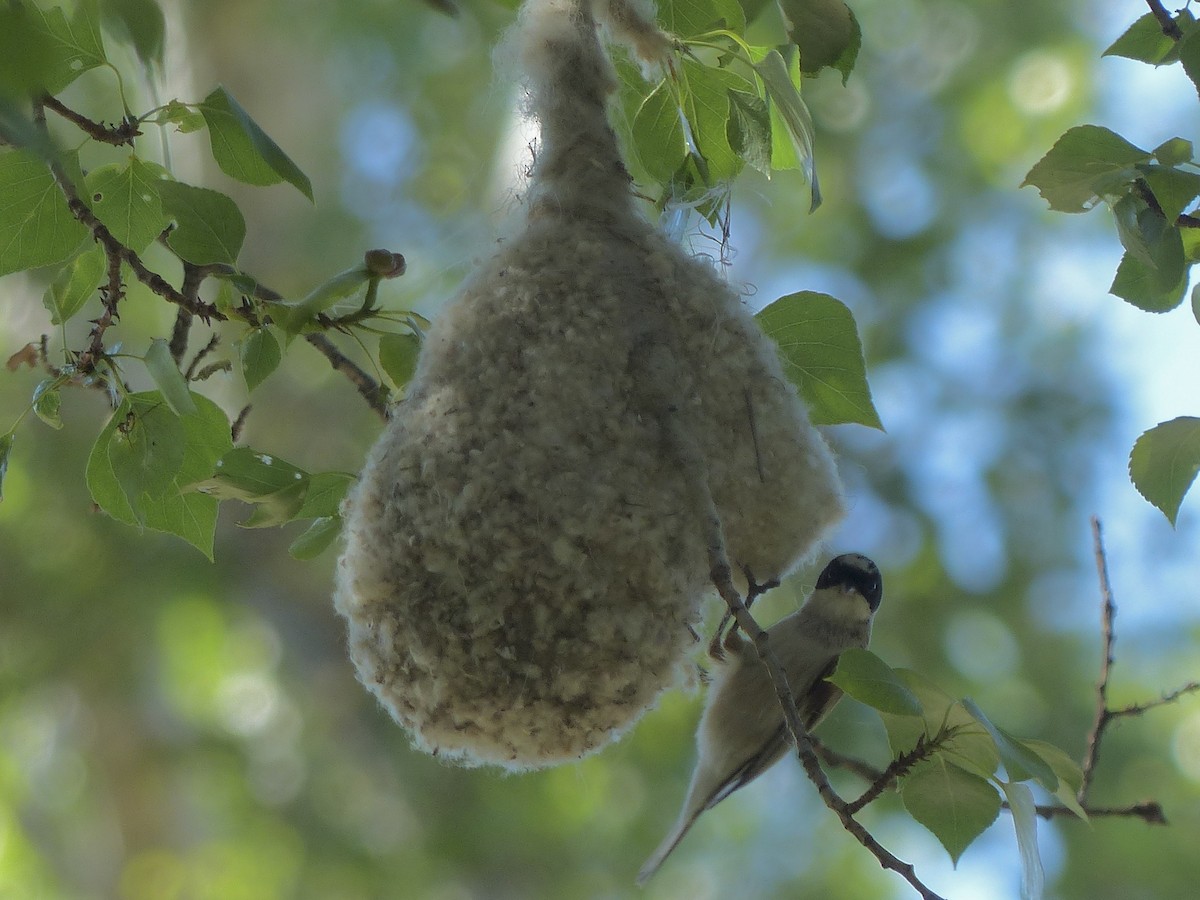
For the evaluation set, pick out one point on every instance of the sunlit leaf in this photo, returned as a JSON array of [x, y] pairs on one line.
[[688, 18], [1144, 41], [209, 227], [125, 198], [183, 117], [952, 803], [75, 285], [964, 741], [782, 81], [1070, 775], [1142, 286], [243, 150], [818, 344], [706, 104], [36, 227], [868, 679], [170, 380], [1164, 462], [1087, 164]]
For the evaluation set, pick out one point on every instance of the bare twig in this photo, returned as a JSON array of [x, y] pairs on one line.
[[1108, 615], [1169, 26], [1149, 811], [897, 769]]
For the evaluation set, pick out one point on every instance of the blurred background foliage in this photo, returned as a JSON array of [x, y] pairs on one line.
[[175, 729]]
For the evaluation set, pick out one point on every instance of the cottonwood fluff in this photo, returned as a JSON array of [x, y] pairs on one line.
[[526, 546]]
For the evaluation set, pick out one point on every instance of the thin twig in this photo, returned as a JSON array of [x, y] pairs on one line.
[[1168, 24], [371, 390], [1149, 811], [1136, 709], [897, 769], [1108, 616]]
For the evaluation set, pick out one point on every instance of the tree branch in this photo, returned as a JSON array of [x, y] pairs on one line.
[[371, 390], [1108, 614], [122, 133], [1169, 26]]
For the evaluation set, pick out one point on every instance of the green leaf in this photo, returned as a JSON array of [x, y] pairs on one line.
[[1086, 165], [954, 804], [170, 380], [191, 516], [1173, 189], [1070, 775], [1189, 56], [1174, 151], [126, 199], [964, 741], [145, 450], [294, 316], [688, 18], [47, 403], [36, 227], [1021, 762], [1142, 286], [706, 104], [75, 285], [243, 150], [818, 344], [868, 679], [140, 23], [1024, 815], [658, 134], [209, 227], [1151, 240], [1196, 303], [326, 490], [398, 356], [749, 129], [27, 53], [782, 81], [320, 534], [1164, 462], [277, 508], [260, 356], [74, 44], [182, 116], [245, 474], [6, 445], [1144, 41], [825, 31]]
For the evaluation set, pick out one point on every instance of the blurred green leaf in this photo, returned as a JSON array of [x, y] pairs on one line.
[[1151, 240], [47, 403], [749, 129], [140, 23], [28, 55], [170, 380], [818, 344], [260, 356], [1021, 762], [75, 285], [326, 491], [36, 227], [782, 81], [1164, 462], [245, 474], [868, 679], [1173, 189], [826, 33], [320, 534], [209, 227], [1087, 164], [964, 741], [278, 508], [1189, 55], [398, 355], [955, 805], [1024, 814], [706, 104], [293, 317], [243, 150], [183, 117], [126, 199], [1174, 151], [74, 44], [1070, 775], [6, 445]]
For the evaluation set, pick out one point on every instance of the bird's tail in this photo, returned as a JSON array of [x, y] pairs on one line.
[[686, 820]]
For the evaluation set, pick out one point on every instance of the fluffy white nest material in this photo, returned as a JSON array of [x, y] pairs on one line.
[[525, 549]]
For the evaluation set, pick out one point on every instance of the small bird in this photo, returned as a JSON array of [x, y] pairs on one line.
[[742, 732]]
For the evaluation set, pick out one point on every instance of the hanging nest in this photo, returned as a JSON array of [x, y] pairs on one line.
[[526, 547]]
